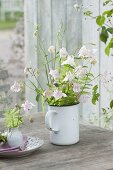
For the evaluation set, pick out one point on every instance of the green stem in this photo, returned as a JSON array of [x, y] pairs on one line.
[[86, 81], [55, 58], [43, 104], [48, 69], [28, 86], [43, 50], [33, 74], [47, 74], [95, 78], [47, 63]]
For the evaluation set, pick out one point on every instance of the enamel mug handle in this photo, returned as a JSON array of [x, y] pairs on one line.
[[50, 121]]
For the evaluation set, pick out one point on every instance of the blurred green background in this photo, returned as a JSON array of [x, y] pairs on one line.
[[9, 22]]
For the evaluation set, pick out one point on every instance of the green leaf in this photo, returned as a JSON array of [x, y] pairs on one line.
[[107, 50], [107, 2], [90, 74], [95, 88], [95, 98], [104, 110], [111, 104], [95, 95], [100, 20], [43, 104], [109, 46], [104, 34], [37, 97], [38, 94], [88, 13], [32, 83], [37, 90], [64, 101], [3, 138], [108, 13], [13, 118], [110, 30]]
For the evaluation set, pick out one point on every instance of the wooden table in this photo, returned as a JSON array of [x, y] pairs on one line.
[[93, 152]]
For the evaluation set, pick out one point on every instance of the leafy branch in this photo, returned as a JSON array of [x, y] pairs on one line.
[[13, 118], [105, 24]]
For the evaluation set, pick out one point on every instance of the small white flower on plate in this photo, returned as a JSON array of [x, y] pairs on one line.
[[27, 105]]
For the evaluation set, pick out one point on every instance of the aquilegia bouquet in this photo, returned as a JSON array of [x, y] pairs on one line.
[[69, 76], [14, 115]]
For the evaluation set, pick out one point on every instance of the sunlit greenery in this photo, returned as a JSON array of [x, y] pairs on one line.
[[10, 23]]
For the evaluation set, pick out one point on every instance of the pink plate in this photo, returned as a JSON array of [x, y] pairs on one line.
[[31, 144], [7, 148]]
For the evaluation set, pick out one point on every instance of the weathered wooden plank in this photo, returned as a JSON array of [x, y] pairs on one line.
[[74, 26], [93, 152], [30, 41], [91, 35], [44, 20], [58, 17], [106, 69], [74, 30]]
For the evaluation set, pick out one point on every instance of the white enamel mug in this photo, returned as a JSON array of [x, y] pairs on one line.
[[63, 123]]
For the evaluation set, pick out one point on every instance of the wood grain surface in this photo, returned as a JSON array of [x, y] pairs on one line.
[[93, 152]]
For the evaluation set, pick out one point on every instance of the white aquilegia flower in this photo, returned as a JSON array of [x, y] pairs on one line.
[[83, 72], [54, 73], [69, 76], [106, 77], [15, 87], [92, 53], [47, 93], [76, 87], [63, 52], [77, 7], [69, 61], [78, 68], [51, 49], [93, 61], [58, 94], [27, 105], [80, 71], [86, 53], [25, 70]]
